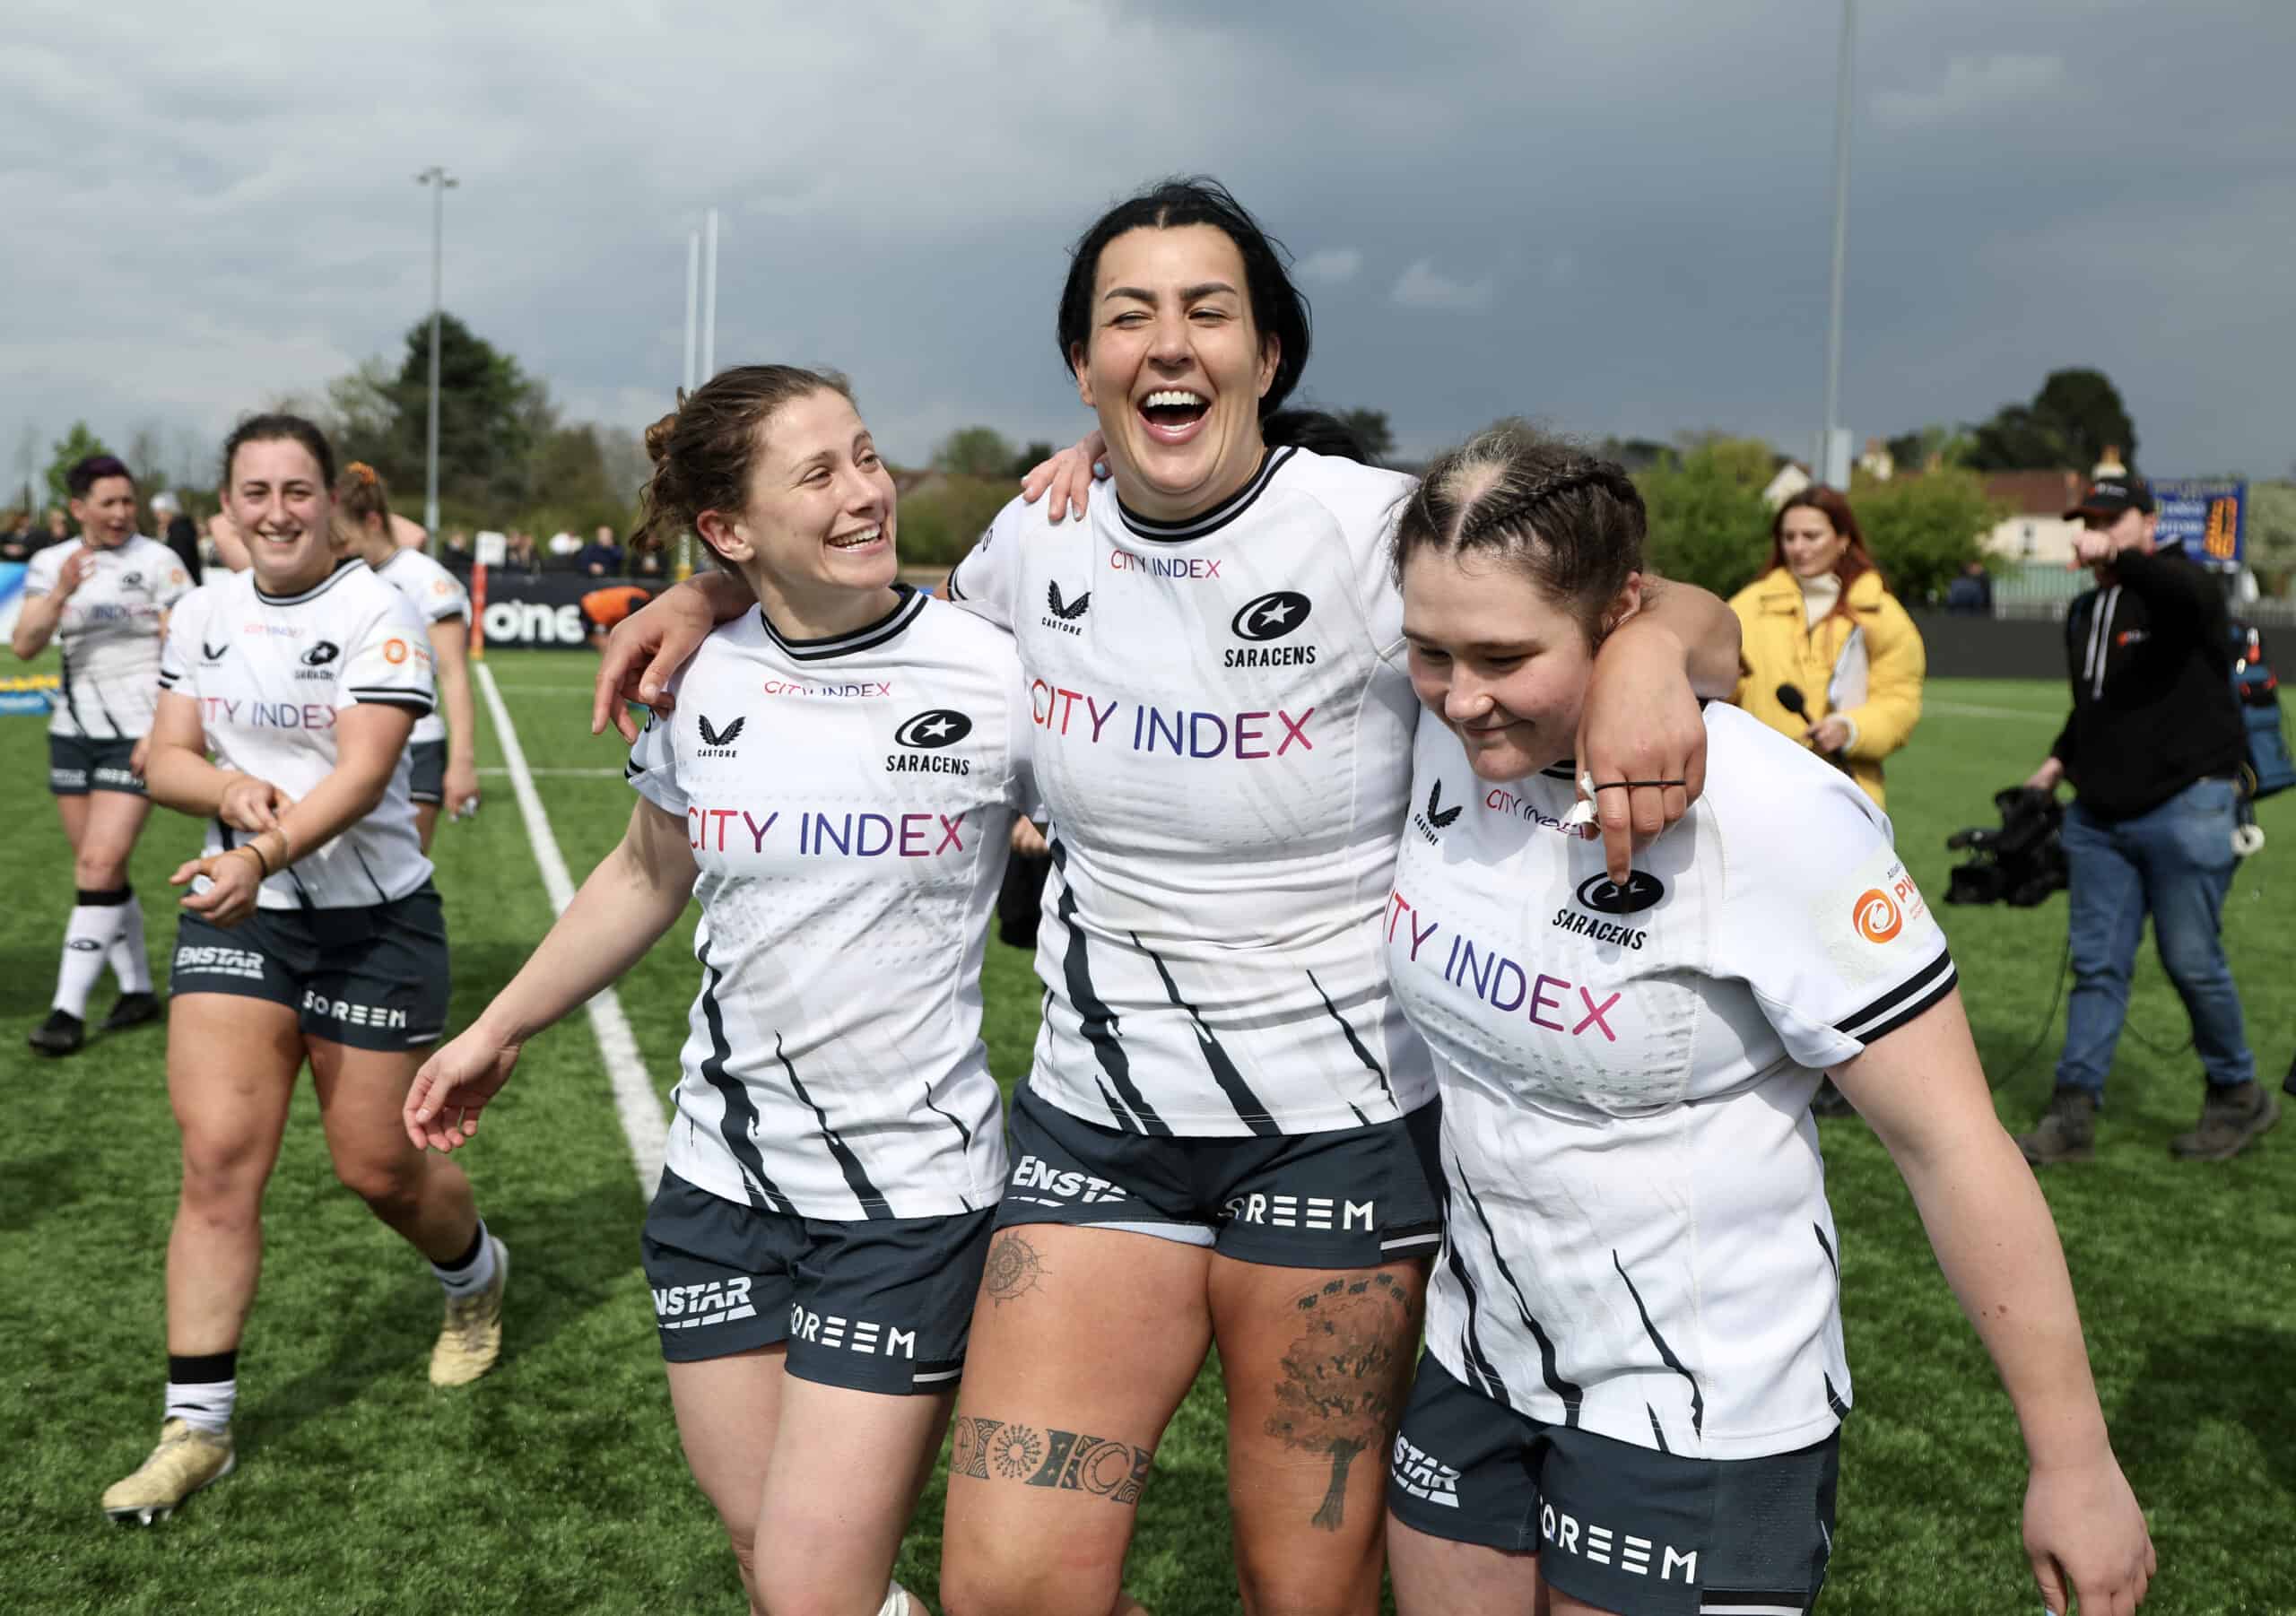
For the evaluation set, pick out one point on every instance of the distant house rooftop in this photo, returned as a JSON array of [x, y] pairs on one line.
[[2035, 493]]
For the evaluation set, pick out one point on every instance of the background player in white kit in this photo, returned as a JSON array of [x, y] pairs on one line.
[[103, 599], [840, 776], [1227, 1130], [444, 752], [312, 934], [1634, 1381]]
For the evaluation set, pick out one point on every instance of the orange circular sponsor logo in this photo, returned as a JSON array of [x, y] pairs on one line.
[[1877, 916], [394, 652]]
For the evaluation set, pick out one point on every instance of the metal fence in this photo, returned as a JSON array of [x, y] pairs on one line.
[[2040, 592]]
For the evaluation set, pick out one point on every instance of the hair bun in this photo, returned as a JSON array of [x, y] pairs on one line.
[[657, 435]]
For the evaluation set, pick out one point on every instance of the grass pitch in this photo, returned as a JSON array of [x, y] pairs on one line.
[[555, 1484]]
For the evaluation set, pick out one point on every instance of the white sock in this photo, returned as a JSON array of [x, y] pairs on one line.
[[477, 1276], [87, 939], [896, 1602], [206, 1404], [128, 959]]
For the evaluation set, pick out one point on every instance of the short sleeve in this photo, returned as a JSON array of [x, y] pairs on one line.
[[389, 661], [180, 654], [39, 572], [175, 580], [652, 769], [443, 598], [1822, 921], [984, 581]]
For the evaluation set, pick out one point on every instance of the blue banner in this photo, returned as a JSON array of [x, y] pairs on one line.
[[2209, 519]]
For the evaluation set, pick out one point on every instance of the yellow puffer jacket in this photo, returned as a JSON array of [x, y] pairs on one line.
[[1777, 650]]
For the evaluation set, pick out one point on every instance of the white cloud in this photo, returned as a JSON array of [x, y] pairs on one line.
[[1423, 286], [1331, 266], [1974, 88]]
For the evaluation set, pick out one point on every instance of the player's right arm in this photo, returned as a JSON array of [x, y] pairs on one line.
[[655, 641], [177, 772], [633, 897]]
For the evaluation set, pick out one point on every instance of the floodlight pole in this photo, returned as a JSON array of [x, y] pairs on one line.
[[1826, 469], [709, 299], [693, 300], [440, 182]]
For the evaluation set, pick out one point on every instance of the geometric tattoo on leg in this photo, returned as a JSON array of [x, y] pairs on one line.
[[1000, 1450]]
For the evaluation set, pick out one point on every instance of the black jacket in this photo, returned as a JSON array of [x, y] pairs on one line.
[[2150, 657]]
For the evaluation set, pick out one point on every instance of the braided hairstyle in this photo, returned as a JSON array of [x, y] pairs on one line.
[[1573, 523]]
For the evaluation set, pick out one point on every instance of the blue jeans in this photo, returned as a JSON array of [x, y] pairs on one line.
[[2177, 862]]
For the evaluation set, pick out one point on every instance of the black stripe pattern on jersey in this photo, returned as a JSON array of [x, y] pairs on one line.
[[1355, 1044], [1834, 1400], [1571, 1395], [64, 681], [1666, 1352], [1248, 1105], [413, 702], [1210, 521], [1826, 1246], [1096, 1022], [907, 606], [1479, 1367], [1657, 1431], [738, 1124], [857, 1177], [1902, 1002], [964, 1133]]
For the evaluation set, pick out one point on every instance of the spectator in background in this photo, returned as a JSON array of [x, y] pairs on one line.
[[602, 608], [455, 555], [1972, 594], [59, 528], [646, 558], [601, 557], [2153, 748], [18, 537], [563, 544], [1822, 626], [518, 555], [174, 529]]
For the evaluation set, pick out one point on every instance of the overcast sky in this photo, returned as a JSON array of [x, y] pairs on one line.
[[1616, 217]]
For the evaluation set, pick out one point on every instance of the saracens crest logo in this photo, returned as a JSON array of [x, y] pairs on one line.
[[922, 739], [1269, 617]]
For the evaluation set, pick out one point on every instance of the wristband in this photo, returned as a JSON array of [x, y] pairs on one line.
[[261, 862]]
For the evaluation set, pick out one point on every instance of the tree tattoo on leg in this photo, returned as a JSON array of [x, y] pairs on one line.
[[1013, 1268], [1342, 1377]]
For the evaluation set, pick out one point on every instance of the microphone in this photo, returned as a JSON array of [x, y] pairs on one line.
[[1790, 697]]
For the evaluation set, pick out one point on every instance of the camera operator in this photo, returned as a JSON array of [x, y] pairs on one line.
[[2153, 747]]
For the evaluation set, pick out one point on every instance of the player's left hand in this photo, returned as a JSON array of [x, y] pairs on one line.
[[1641, 723], [233, 879], [453, 1087], [1068, 476], [1828, 734], [462, 789], [140, 756], [2087, 1539]]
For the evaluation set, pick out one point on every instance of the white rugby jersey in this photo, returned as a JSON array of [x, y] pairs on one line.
[[1224, 729], [110, 634], [438, 594], [850, 803], [270, 673], [1637, 1240]]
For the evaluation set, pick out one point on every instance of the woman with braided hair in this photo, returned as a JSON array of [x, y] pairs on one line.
[[1226, 1136], [1634, 1379]]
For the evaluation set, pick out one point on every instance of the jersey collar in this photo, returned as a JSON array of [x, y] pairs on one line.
[[830, 647], [1210, 521], [342, 568]]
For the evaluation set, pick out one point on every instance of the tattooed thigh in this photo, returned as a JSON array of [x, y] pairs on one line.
[[1004, 1450]]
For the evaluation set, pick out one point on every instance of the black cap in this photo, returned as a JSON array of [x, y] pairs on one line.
[[2110, 496]]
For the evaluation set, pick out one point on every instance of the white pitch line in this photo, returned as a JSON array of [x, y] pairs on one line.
[[642, 1123], [1963, 709]]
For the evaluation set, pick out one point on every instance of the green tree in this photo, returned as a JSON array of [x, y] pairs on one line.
[[2073, 420], [1371, 430], [1032, 454], [490, 417], [2271, 534], [940, 522], [1922, 530], [974, 452], [1942, 441], [77, 446], [1708, 525]]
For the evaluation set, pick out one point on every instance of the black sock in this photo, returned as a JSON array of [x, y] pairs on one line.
[[477, 1244], [110, 898], [204, 1370]]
